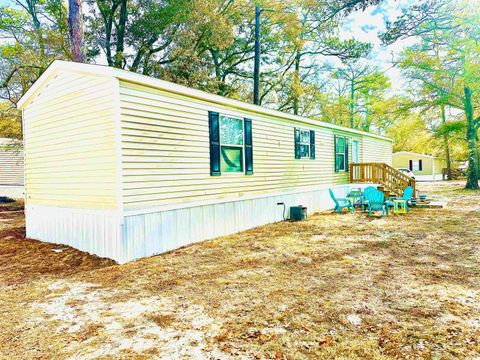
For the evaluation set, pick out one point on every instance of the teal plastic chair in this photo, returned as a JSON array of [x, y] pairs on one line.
[[341, 203], [366, 191], [376, 202], [407, 195]]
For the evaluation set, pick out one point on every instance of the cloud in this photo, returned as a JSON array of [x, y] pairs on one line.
[[366, 25]]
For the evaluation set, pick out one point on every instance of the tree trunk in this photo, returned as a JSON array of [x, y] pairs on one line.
[[122, 23], [472, 142], [296, 79], [38, 28], [75, 24], [219, 75], [138, 58], [446, 144], [256, 64], [352, 102], [366, 120], [108, 39], [146, 61]]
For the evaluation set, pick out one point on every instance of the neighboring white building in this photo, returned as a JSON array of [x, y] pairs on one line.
[[125, 166], [11, 168]]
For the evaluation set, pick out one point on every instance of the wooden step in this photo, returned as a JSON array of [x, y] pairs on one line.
[[430, 205], [392, 181]]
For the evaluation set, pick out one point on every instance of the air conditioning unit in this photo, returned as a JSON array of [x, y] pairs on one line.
[[298, 213]]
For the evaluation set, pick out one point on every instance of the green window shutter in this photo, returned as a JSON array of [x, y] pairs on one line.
[[248, 146], [214, 126], [335, 152], [297, 143], [312, 144], [346, 155]]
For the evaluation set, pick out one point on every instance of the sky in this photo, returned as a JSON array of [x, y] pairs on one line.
[[366, 25]]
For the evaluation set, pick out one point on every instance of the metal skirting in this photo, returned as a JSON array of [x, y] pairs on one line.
[[94, 231], [436, 177], [106, 234], [154, 233]]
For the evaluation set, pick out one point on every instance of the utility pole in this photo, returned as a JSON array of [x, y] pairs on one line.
[[256, 66]]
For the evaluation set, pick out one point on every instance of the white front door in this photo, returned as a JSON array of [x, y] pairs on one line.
[[355, 152]]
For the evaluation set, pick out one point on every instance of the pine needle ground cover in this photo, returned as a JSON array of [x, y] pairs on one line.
[[333, 286]]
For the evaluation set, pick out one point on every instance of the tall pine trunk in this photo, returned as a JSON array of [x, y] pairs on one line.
[[446, 144], [296, 80], [121, 28], [472, 142], [352, 102], [108, 39], [75, 24]]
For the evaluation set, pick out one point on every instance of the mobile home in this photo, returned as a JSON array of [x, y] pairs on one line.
[[11, 168], [125, 166], [425, 167]]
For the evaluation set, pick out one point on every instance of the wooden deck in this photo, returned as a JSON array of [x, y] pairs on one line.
[[393, 180]]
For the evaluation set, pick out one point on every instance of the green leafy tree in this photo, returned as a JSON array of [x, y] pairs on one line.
[[34, 33], [366, 85], [311, 33], [135, 34], [453, 29], [10, 121]]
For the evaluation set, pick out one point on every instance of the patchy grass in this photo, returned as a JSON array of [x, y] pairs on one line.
[[24, 260], [333, 286]]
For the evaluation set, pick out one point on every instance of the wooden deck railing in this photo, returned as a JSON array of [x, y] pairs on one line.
[[392, 179]]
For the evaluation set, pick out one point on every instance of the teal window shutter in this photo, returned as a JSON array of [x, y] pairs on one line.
[[312, 144], [335, 152], [297, 143], [214, 127], [248, 146], [346, 155]]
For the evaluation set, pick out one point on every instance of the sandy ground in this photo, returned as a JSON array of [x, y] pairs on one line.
[[333, 286]]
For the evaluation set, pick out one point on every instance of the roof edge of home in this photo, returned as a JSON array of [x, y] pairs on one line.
[[415, 153], [121, 74]]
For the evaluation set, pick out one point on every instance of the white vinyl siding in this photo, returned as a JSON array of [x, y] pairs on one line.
[[375, 150], [165, 152], [11, 165], [70, 143]]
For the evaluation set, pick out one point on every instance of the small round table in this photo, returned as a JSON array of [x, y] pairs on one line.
[[399, 206], [355, 197]]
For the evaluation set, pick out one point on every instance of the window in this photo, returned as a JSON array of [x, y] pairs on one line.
[[231, 147], [304, 143], [415, 165], [231, 144], [341, 153]]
